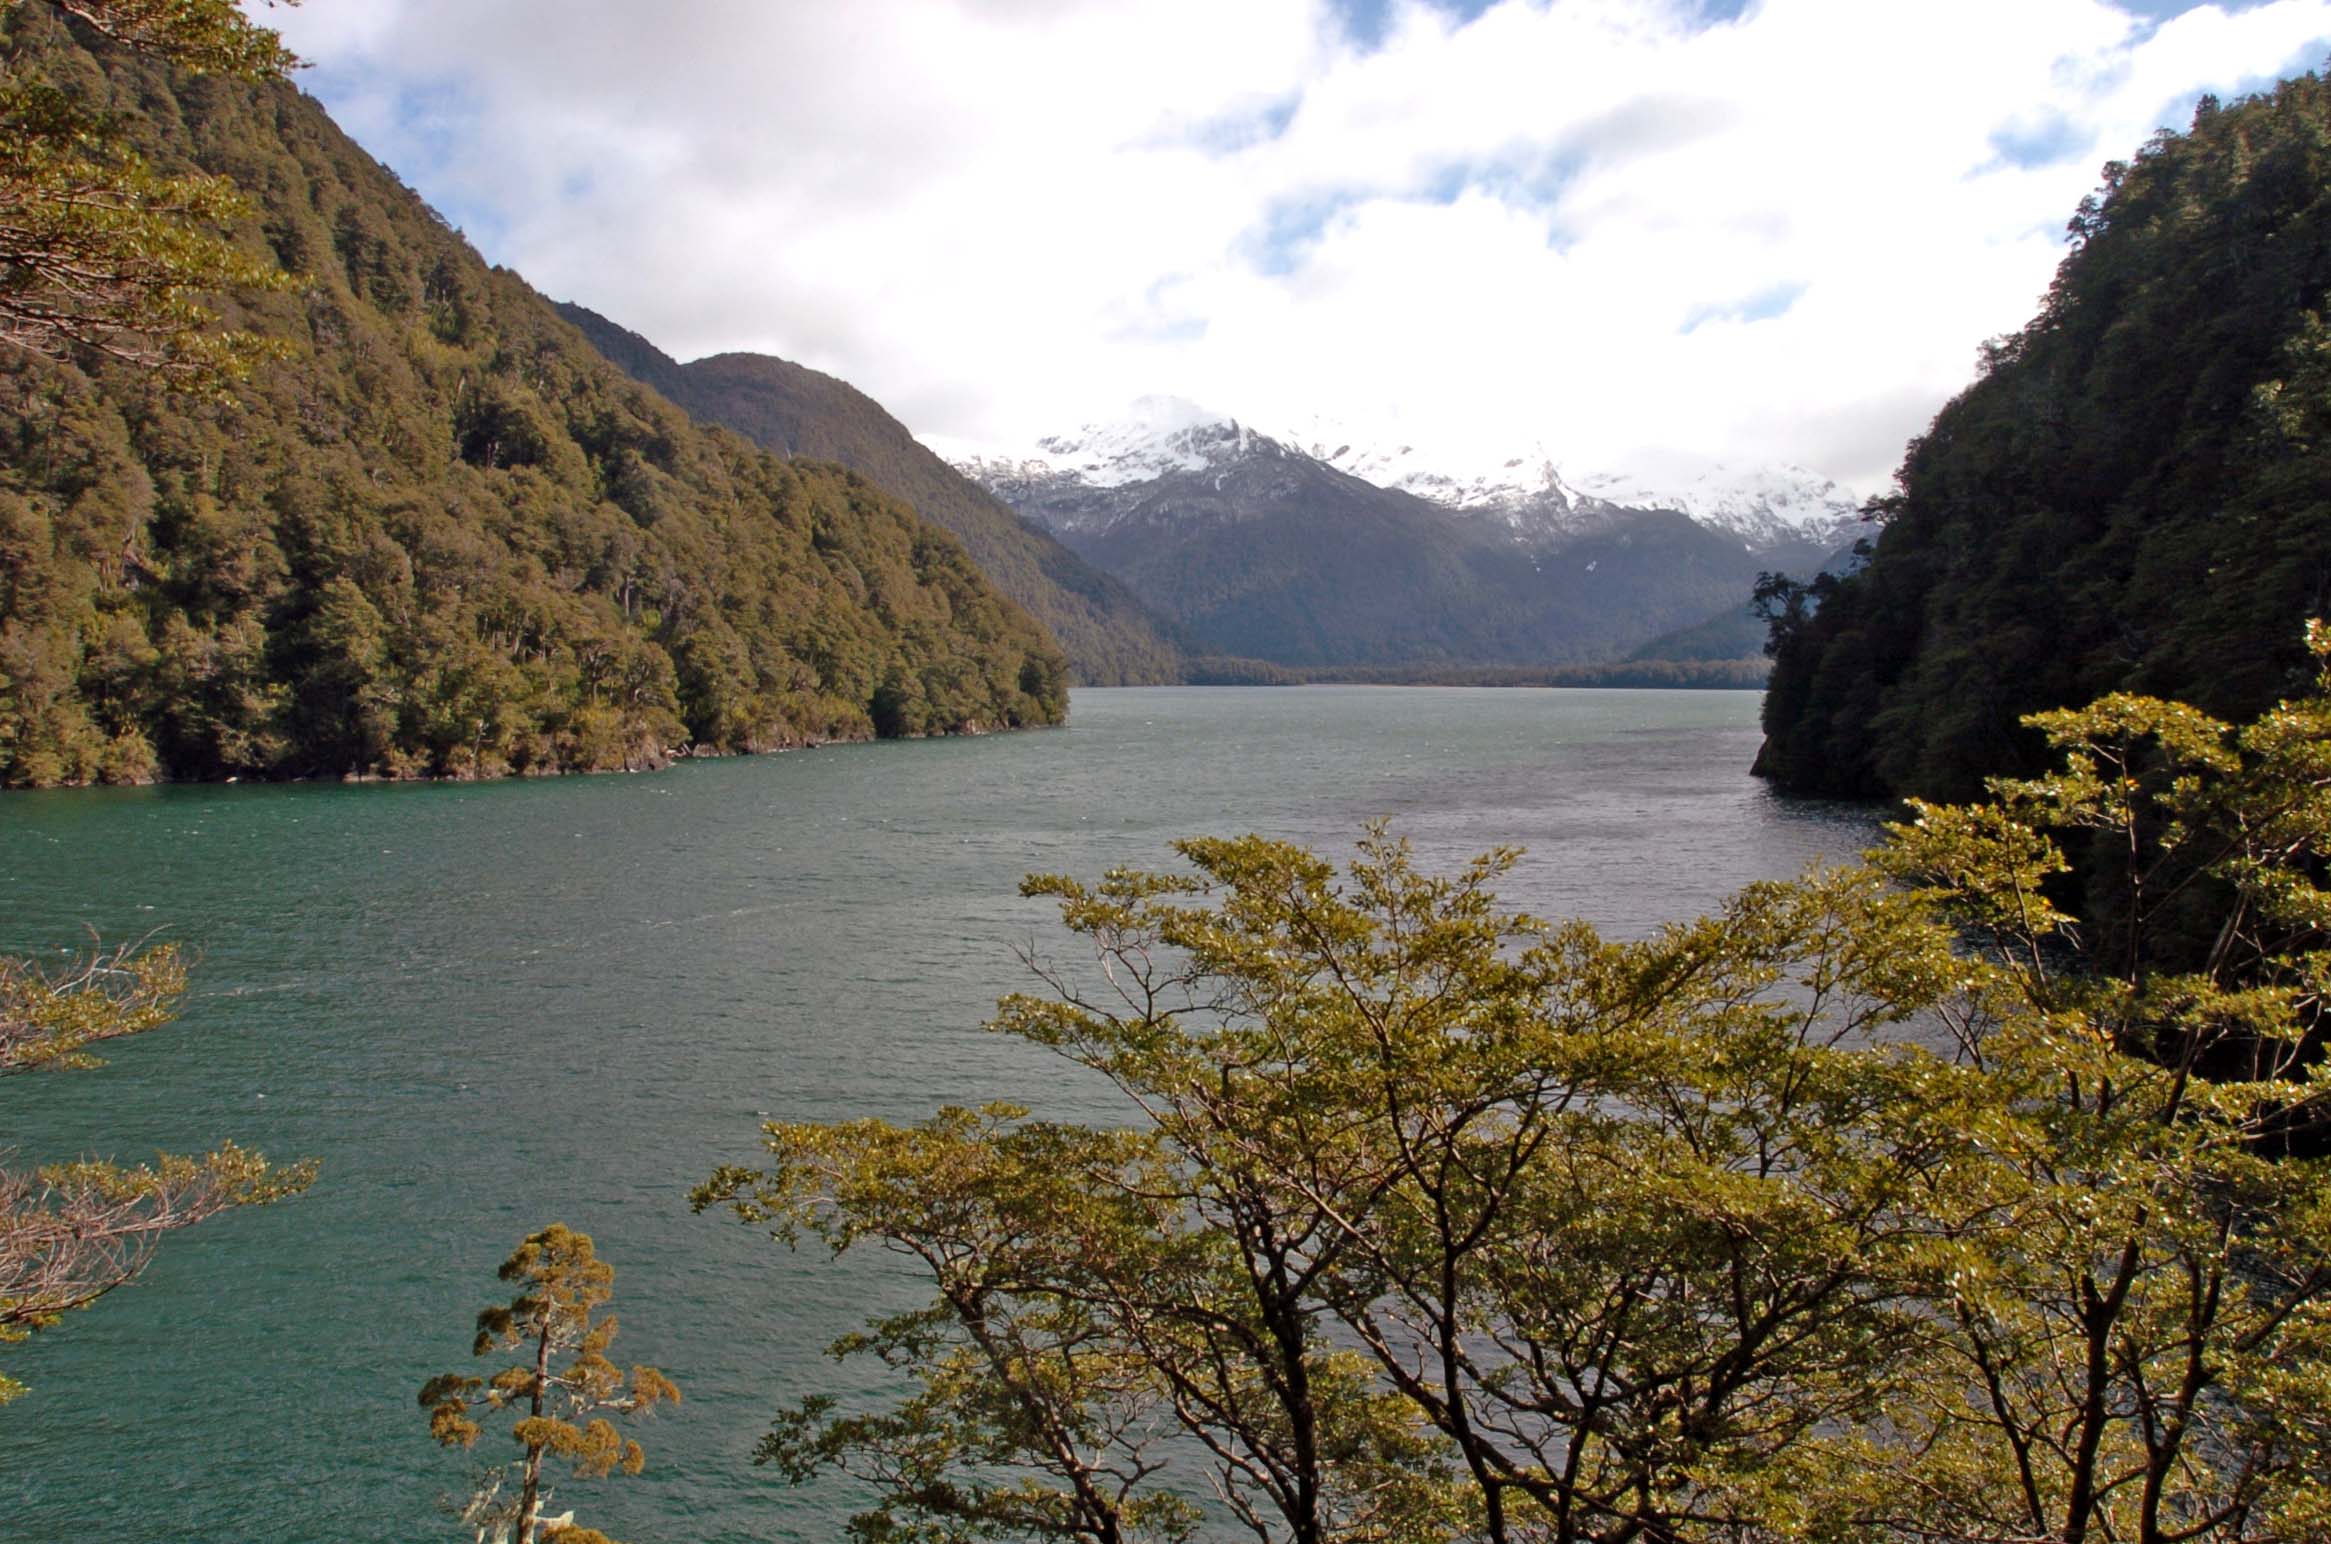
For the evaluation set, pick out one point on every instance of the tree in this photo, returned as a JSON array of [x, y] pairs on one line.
[[440, 535], [1028, 1420], [2139, 1296], [2135, 495], [99, 250], [1347, 1250], [1886, 1203], [557, 1390], [72, 1232]]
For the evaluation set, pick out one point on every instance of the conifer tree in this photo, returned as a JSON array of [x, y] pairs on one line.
[[558, 1388]]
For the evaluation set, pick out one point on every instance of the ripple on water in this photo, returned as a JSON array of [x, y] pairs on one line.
[[489, 1007]]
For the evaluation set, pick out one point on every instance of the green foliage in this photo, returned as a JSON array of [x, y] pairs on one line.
[[2136, 496], [72, 1232], [556, 1389], [440, 535], [102, 254], [203, 35], [1887, 1203], [1027, 1422], [49, 1017], [99, 250], [2139, 1288]]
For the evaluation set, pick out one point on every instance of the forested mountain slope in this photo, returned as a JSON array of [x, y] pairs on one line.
[[1109, 638], [440, 535], [2136, 495]]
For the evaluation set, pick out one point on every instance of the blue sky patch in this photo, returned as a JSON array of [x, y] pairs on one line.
[[431, 128], [1367, 23], [2177, 112], [1532, 180], [1762, 306], [2035, 142], [2163, 10], [437, 119], [1718, 12], [1290, 228], [1233, 132], [1187, 329]]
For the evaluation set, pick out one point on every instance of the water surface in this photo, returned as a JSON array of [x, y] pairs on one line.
[[489, 1007]]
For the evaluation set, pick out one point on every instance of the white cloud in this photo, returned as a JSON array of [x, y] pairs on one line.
[[1559, 222]]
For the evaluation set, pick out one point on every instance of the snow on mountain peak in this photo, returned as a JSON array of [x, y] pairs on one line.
[[1155, 436], [1454, 481], [1761, 504]]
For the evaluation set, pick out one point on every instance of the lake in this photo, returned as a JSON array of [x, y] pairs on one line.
[[489, 1007]]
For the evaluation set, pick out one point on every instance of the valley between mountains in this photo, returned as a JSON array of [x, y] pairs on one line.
[[1172, 543]]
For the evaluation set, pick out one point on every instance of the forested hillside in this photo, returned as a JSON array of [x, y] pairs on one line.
[[439, 535], [2136, 495], [1110, 640]]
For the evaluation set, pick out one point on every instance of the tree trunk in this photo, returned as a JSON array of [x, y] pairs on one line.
[[530, 1494]]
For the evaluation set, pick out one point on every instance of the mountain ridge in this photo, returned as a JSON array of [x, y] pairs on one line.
[[1108, 635], [1765, 505], [1255, 546], [440, 535]]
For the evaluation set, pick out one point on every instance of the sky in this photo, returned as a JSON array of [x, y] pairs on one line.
[[1632, 236]]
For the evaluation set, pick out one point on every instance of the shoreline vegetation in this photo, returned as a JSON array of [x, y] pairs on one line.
[[1695, 675], [662, 761]]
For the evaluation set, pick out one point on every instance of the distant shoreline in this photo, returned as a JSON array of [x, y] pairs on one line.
[[1637, 675]]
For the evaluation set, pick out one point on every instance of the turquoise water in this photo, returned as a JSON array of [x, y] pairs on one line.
[[490, 1007]]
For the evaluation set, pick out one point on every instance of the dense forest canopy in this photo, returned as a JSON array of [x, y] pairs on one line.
[[2136, 495], [439, 535]]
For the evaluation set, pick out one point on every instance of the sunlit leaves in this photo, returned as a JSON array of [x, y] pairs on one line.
[[99, 250], [72, 1232], [1885, 1203], [557, 1389], [50, 1015]]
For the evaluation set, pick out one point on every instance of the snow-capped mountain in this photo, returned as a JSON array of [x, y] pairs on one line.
[[1318, 548], [1067, 478], [1168, 462], [1764, 506], [1448, 482], [1158, 437], [1526, 491]]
